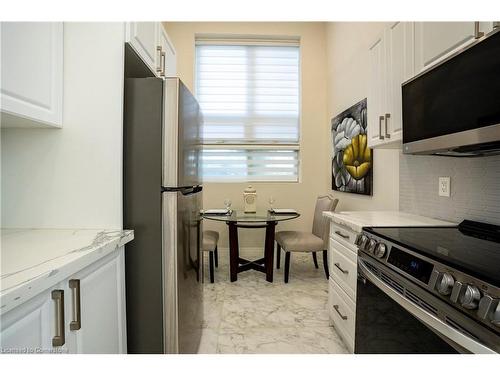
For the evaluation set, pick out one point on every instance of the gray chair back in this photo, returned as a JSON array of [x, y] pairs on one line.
[[320, 223]]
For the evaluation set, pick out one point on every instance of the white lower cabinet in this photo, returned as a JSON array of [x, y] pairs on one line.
[[83, 314], [342, 262], [30, 327], [99, 292], [342, 312]]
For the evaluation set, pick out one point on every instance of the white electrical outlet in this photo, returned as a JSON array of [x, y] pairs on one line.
[[444, 187]]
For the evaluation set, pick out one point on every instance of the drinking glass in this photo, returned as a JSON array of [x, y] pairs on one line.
[[271, 202], [227, 204]]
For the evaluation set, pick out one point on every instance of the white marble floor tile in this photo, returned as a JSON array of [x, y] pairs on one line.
[[209, 341], [254, 316], [281, 340]]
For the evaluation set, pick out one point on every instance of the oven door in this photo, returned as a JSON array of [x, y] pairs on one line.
[[393, 315]]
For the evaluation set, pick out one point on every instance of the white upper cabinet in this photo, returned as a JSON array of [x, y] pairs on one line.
[[436, 40], [391, 63], [151, 42], [403, 50], [169, 60], [32, 74], [400, 67], [376, 92], [143, 37]]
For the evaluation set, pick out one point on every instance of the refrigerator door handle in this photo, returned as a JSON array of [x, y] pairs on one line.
[[184, 190]]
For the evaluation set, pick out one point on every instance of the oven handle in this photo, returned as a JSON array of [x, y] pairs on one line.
[[443, 328]]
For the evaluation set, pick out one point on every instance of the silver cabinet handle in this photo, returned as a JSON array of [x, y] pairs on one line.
[[163, 58], [387, 116], [76, 323], [158, 67], [336, 307], [380, 119], [342, 234], [59, 338], [496, 24], [477, 31], [345, 272]]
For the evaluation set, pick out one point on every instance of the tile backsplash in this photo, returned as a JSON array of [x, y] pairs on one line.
[[475, 187]]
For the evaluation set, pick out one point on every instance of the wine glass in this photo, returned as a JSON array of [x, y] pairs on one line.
[[227, 203], [271, 202]]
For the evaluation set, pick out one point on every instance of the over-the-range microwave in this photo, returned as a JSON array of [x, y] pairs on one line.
[[453, 108]]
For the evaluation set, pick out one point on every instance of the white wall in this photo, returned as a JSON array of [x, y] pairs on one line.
[[72, 177], [314, 135], [347, 76]]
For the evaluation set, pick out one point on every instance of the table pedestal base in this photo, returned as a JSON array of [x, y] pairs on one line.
[[237, 264]]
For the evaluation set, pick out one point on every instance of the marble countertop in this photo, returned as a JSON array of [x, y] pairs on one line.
[[356, 220], [32, 260]]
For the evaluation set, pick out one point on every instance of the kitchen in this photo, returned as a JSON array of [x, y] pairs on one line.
[[131, 186]]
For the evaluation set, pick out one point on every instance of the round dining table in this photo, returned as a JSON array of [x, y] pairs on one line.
[[260, 219]]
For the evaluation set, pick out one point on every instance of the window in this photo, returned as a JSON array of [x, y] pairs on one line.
[[249, 96]]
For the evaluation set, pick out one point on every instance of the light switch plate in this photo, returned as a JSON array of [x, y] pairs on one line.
[[444, 187]]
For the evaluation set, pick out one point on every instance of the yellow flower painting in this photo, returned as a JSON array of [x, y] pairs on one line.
[[352, 160]]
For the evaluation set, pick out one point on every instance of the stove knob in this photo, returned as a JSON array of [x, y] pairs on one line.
[[361, 239], [495, 315], [380, 250], [489, 310], [445, 283], [371, 245], [363, 242], [470, 296]]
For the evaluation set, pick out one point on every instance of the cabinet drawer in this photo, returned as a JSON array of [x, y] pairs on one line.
[[342, 313], [341, 233], [343, 267]]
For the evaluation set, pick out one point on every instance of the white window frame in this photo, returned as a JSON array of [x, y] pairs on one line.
[[221, 39]]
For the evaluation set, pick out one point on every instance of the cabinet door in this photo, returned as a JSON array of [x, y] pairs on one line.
[[400, 67], [433, 40], [143, 37], [102, 307], [169, 62], [376, 91], [32, 73], [30, 327]]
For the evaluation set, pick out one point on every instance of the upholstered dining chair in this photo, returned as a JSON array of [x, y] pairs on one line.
[[209, 243], [317, 240]]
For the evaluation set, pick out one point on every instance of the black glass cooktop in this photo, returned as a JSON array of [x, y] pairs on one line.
[[464, 250]]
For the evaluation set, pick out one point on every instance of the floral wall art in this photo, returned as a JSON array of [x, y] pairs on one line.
[[352, 161]]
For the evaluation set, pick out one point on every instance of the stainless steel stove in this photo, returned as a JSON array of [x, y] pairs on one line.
[[439, 286]]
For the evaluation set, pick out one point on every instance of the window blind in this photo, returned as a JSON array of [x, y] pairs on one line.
[[249, 95], [249, 164]]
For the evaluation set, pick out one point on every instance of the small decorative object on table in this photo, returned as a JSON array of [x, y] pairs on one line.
[[250, 198], [352, 160]]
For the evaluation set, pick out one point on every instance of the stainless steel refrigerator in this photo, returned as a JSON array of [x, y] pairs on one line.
[[162, 202]]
